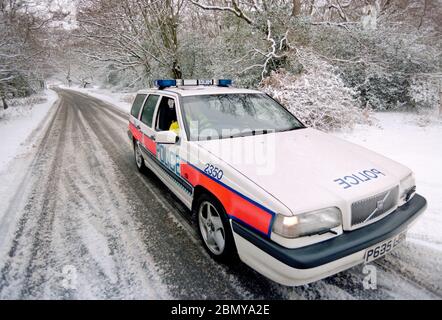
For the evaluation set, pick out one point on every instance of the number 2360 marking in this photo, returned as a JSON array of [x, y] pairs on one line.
[[213, 171]]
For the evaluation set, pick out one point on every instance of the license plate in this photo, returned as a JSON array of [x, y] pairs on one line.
[[383, 248]]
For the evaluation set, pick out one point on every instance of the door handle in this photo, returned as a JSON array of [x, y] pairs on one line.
[[152, 137], [138, 127]]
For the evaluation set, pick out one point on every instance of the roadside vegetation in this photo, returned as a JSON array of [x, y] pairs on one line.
[[331, 62]]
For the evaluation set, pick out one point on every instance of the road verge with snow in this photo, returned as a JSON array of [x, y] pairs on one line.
[[17, 124]]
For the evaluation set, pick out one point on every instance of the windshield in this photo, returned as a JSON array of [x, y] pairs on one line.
[[232, 115]]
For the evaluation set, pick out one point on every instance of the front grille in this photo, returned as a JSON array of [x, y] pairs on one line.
[[369, 208]]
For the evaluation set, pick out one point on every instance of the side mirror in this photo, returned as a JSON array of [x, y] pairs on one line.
[[166, 137]]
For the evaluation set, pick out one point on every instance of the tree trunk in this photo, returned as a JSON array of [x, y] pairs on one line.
[[5, 105], [440, 103], [296, 9], [176, 70]]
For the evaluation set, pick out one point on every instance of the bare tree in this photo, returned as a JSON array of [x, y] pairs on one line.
[[23, 53], [296, 9], [262, 17], [133, 34]]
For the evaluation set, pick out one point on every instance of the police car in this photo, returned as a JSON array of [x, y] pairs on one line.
[[293, 203]]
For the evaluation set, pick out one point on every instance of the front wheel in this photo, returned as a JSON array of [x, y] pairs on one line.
[[215, 230]]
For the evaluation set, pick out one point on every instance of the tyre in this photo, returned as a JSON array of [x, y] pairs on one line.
[[139, 160], [214, 229]]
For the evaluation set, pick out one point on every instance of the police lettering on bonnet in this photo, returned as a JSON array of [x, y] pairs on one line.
[[359, 177], [287, 225]]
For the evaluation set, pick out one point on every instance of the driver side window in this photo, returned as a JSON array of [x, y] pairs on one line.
[[167, 116]]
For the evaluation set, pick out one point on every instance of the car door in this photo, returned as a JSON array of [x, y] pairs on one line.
[[147, 139], [168, 155], [134, 122]]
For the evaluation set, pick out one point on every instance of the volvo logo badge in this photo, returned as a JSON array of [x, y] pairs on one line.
[[380, 205]]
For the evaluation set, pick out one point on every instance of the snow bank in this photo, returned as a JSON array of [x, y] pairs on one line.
[[17, 123], [402, 137]]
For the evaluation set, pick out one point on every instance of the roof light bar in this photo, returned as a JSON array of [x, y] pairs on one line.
[[165, 83], [224, 82], [190, 82], [205, 82]]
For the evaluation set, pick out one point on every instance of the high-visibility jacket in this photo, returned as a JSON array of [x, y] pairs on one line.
[[174, 126]]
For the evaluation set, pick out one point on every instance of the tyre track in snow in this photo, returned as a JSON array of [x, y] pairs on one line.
[[42, 238], [36, 217], [43, 242], [108, 260], [417, 265]]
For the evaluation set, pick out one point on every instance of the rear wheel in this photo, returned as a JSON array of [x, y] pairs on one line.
[[214, 229], [139, 160]]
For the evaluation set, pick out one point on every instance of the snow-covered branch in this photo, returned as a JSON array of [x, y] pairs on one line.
[[234, 8], [317, 96], [277, 50]]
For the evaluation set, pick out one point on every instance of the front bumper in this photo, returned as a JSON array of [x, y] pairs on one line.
[[307, 264]]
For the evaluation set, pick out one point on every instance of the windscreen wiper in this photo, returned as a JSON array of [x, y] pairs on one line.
[[250, 133]]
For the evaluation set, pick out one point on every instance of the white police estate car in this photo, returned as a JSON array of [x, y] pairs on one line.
[[294, 203]]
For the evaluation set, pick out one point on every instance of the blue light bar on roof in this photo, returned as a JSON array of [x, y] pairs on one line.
[[224, 82], [164, 83]]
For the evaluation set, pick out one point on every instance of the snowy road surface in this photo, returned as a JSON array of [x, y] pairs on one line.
[[78, 221]]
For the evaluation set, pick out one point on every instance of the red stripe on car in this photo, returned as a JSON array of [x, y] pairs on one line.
[[150, 145], [135, 132], [235, 204], [146, 141]]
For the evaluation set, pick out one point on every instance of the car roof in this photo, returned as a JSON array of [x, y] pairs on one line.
[[199, 90]]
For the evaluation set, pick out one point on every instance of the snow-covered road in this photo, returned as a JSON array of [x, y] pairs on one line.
[[79, 221]]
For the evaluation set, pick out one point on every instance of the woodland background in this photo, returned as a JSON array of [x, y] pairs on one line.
[[331, 62]]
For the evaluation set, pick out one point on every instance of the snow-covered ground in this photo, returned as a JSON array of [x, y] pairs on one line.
[[416, 143], [16, 125]]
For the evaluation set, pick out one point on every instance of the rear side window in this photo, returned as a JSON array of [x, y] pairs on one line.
[[148, 110], [137, 104]]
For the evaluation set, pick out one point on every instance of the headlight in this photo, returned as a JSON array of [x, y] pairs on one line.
[[408, 188], [306, 224]]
